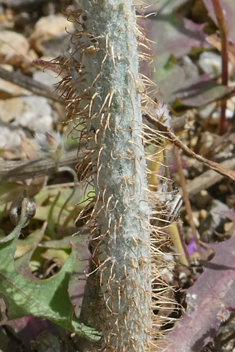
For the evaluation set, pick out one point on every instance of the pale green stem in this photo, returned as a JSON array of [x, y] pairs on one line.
[[107, 50]]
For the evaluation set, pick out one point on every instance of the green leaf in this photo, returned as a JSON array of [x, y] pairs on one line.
[[51, 224], [45, 298], [59, 256], [10, 191], [24, 251]]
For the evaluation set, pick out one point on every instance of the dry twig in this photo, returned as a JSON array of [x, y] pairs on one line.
[[11, 171], [173, 139], [28, 83]]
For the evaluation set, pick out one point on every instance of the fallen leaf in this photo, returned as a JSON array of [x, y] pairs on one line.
[[208, 301]]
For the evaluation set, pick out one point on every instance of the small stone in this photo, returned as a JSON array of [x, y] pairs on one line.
[[227, 226], [211, 63], [46, 77], [195, 218], [50, 37], [10, 139], [202, 199], [213, 221], [193, 141], [8, 89], [182, 276], [12, 43], [37, 114], [206, 142], [32, 112], [206, 111], [202, 214], [10, 109], [167, 275]]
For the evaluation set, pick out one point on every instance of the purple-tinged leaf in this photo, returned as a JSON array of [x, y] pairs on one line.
[[195, 92], [227, 213], [207, 301], [169, 78], [174, 34], [229, 14], [28, 328], [201, 92], [174, 37]]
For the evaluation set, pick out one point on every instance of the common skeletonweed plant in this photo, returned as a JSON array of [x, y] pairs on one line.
[[108, 97]]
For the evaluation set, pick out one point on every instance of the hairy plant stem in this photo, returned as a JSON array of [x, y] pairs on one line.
[[105, 78]]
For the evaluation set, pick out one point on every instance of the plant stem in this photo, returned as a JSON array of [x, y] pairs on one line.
[[104, 67], [224, 52]]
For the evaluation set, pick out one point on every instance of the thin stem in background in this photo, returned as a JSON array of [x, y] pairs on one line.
[[74, 174], [30, 84], [178, 242], [186, 198], [180, 231], [224, 52], [173, 228]]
